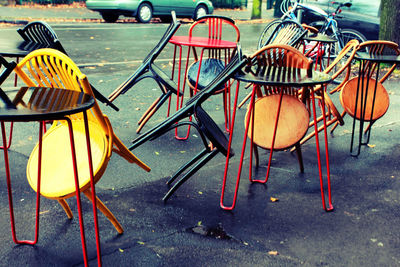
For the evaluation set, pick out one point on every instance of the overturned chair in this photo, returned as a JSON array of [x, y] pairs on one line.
[[148, 69], [204, 124]]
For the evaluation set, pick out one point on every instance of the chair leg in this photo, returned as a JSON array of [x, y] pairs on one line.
[[189, 174], [299, 157], [187, 165], [256, 155], [105, 211], [9, 137], [66, 208], [153, 108], [244, 100]]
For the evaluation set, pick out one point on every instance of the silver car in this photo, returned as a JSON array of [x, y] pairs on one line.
[[145, 10]]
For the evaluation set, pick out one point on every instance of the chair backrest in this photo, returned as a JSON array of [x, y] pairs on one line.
[[5, 69], [216, 27], [287, 33], [280, 55], [48, 67], [380, 47], [51, 68], [171, 30], [40, 32], [342, 62], [288, 58]]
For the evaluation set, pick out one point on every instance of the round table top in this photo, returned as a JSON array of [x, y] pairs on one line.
[[197, 41], [284, 76], [41, 103], [17, 47], [322, 38]]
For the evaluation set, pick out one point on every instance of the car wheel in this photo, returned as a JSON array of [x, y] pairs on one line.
[[200, 11], [110, 17], [144, 13]]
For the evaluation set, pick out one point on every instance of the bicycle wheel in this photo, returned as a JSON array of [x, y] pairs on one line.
[[262, 41], [349, 34]]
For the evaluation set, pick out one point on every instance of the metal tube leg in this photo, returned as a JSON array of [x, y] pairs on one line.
[[78, 197], [9, 190]]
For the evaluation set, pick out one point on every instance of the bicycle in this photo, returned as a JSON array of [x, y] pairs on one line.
[[329, 26]]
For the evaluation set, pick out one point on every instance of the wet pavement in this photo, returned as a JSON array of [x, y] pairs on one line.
[[281, 223]]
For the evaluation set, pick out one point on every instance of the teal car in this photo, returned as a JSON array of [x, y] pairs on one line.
[[145, 10]]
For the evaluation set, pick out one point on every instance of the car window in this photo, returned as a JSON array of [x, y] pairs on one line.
[[365, 7]]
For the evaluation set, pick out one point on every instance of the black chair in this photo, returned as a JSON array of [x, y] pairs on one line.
[[205, 125], [39, 32], [148, 69], [6, 69]]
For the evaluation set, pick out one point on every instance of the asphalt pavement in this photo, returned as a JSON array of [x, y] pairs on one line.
[[281, 223]]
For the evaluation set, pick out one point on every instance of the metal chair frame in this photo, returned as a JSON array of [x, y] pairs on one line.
[[206, 127], [148, 69]]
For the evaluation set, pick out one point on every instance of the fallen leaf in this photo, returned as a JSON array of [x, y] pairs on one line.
[[157, 153], [140, 242], [199, 223], [273, 199], [372, 146], [273, 252], [121, 250], [200, 193]]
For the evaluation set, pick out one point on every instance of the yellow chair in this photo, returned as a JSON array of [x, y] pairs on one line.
[[51, 68]]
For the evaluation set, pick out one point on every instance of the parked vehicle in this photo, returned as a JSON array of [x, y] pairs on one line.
[[362, 15], [145, 10]]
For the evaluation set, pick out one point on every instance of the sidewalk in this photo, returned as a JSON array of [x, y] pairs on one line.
[[24, 14]]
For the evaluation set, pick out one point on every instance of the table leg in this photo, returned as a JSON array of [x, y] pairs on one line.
[[330, 206], [180, 99], [232, 124], [9, 190]]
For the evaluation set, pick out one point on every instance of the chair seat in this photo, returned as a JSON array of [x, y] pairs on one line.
[[57, 169], [210, 68], [348, 98], [292, 125], [213, 132]]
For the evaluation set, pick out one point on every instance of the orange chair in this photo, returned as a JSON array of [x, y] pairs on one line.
[[278, 119], [340, 69], [369, 83], [52, 68]]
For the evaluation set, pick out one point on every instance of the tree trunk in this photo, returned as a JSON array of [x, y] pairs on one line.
[[256, 10], [390, 20]]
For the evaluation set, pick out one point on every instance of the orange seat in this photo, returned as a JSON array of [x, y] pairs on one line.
[[348, 97], [292, 124]]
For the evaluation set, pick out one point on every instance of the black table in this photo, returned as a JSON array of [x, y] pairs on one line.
[[321, 43], [362, 105], [282, 77], [17, 48], [46, 104]]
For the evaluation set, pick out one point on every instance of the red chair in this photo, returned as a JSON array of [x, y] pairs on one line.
[[206, 67]]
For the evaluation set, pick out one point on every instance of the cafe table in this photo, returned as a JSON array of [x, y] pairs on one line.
[[193, 42], [360, 104], [40, 104], [282, 77], [320, 45]]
